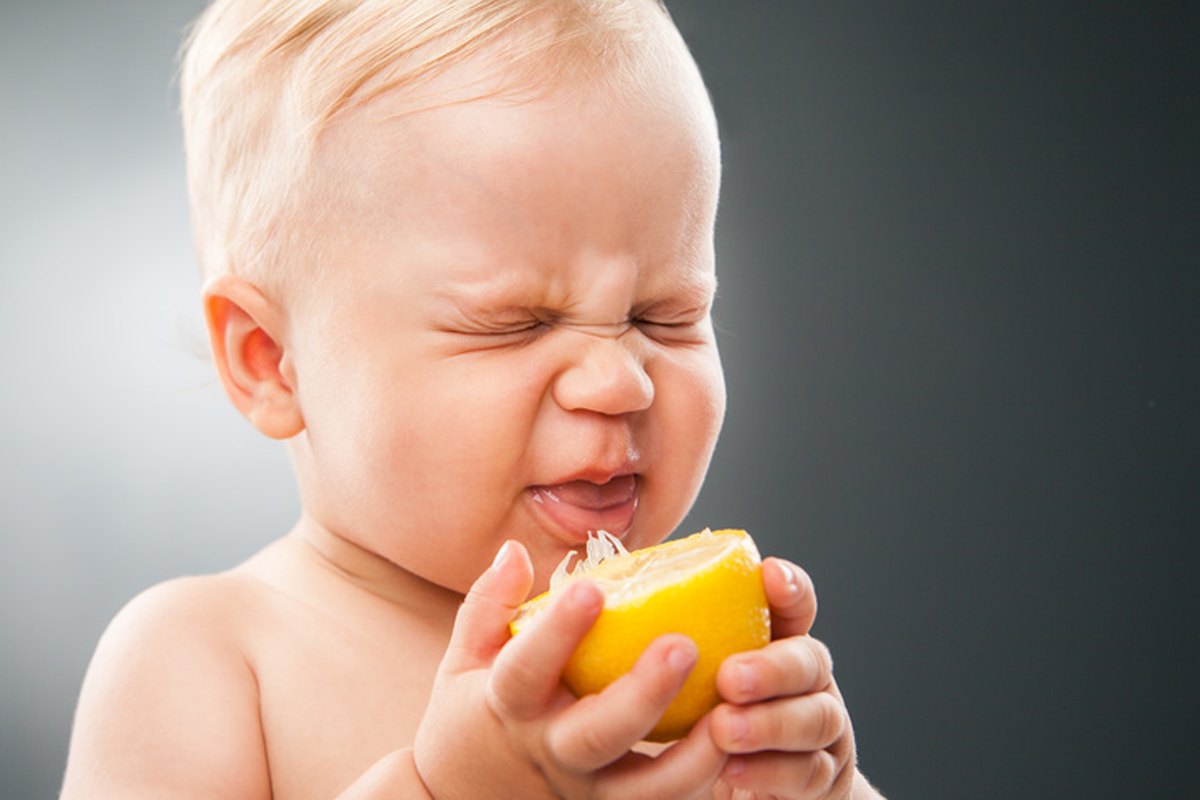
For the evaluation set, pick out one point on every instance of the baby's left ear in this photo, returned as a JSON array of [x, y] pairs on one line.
[[245, 330]]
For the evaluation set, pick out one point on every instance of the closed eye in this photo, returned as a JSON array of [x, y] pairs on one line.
[[674, 331], [515, 329], [497, 334]]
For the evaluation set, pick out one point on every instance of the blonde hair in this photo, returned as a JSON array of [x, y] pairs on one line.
[[261, 79]]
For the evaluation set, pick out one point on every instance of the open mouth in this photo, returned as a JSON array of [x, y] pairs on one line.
[[579, 506]]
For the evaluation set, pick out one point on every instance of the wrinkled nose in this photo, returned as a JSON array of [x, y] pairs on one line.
[[605, 372]]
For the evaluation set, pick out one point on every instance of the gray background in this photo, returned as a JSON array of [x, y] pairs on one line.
[[959, 315]]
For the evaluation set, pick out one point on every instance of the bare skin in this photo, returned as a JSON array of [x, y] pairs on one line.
[[295, 651], [286, 677], [508, 343]]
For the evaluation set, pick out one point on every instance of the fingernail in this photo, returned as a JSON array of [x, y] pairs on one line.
[[681, 659], [503, 555], [585, 597], [791, 585], [739, 727], [734, 767], [745, 678]]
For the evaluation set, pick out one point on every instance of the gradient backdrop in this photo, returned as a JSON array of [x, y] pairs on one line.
[[960, 313]]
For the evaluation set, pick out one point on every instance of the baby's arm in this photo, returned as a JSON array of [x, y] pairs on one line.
[[785, 725], [169, 709]]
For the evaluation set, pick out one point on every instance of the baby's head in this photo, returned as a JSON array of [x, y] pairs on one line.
[[263, 80], [460, 254]]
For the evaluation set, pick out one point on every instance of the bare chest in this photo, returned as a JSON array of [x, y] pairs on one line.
[[336, 696]]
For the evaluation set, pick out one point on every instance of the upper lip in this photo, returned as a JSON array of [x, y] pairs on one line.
[[603, 469], [598, 474]]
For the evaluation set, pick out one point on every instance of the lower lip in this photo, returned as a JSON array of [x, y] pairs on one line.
[[578, 508]]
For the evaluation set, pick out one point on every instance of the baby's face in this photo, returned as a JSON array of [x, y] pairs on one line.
[[513, 337]]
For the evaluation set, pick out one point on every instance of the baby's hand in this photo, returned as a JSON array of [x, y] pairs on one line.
[[500, 722], [784, 722]]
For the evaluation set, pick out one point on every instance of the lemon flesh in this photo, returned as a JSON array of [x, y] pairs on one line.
[[707, 586]]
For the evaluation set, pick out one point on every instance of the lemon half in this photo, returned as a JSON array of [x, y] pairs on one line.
[[707, 586]]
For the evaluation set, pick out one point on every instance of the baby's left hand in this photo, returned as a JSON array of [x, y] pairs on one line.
[[784, 721]]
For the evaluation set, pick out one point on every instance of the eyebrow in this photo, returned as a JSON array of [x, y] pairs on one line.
[[497, 294]]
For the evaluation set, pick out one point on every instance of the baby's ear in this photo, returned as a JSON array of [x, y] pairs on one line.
[[245, 333]]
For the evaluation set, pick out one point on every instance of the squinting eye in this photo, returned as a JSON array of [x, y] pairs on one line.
[[524, 327], [674, 331], [516, 333]]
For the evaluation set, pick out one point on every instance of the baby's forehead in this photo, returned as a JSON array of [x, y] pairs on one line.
[[493, 152], [555, 184], [402, 124]]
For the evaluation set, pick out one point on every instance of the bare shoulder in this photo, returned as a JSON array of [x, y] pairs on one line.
[[169, 707], [212, 609]]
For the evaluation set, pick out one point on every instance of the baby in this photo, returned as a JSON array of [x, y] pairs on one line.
[[459, 255]]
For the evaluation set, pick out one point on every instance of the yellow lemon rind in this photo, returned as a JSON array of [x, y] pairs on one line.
[[721, 606]]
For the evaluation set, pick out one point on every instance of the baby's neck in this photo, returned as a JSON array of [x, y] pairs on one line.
[[337, 564]]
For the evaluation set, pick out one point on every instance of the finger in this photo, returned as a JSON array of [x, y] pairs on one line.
[[819, 774], [481, 628], [827, 773], [601, 728], [687, 768], [792, 724], [799, 665], [526, 674], [792, 597]]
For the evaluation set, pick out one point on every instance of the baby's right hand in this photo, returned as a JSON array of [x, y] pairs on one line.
[[501, 724]]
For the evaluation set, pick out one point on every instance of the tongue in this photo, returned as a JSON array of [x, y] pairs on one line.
[[593, 496]]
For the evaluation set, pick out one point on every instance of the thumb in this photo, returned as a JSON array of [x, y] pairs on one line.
[[481, 628]]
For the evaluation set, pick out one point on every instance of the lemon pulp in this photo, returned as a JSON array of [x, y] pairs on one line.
[[707, 586]]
